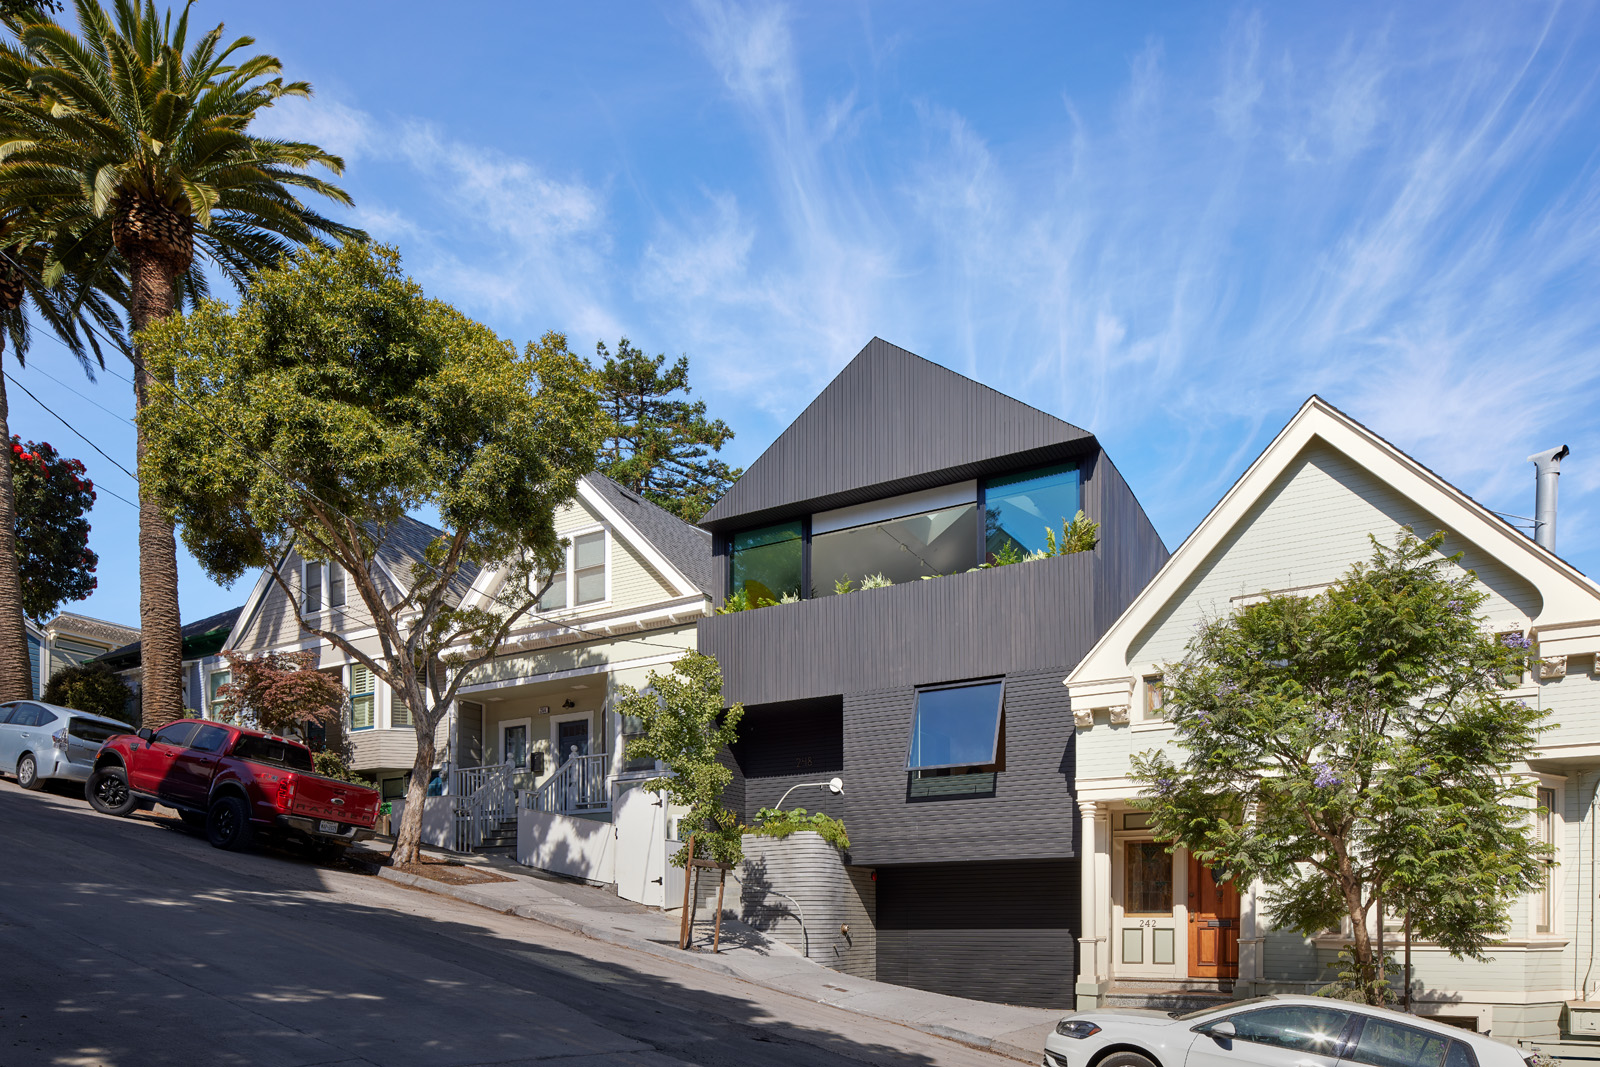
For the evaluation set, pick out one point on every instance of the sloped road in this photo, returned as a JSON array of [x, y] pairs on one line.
[[131, 942]]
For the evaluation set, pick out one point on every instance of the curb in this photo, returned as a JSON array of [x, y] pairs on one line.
[[466, 894]]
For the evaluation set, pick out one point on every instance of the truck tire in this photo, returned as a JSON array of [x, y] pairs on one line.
[[107, 792], [28, 772], [228, 824]]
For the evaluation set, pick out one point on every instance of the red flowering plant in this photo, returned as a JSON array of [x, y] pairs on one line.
[[53, 494]]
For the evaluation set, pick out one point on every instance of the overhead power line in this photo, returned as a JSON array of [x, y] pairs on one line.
[[85, 440]]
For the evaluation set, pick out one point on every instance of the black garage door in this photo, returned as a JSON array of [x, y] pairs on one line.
[[1003, 932]]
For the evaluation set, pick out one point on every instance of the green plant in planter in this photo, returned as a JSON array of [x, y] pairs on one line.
[[772, 822], [844, 585], [1079, 535], [875, 581]]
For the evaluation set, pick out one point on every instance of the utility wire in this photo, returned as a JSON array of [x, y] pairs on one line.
[[86, 441], [84, 396]]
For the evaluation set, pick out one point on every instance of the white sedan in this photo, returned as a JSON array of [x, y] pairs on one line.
[[1272, 1031]]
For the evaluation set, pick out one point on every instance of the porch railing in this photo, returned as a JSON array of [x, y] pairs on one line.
[[579, 784], [483, 798]]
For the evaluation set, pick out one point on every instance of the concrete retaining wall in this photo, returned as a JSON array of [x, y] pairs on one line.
[[438, 826], [785, 877], [579, 848]]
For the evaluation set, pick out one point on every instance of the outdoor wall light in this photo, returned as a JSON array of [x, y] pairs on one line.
[[568, 703], [833, 785]]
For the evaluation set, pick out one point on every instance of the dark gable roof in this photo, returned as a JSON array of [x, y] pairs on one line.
[[891, 422], [195, 644], [686, 547], [405, 542]]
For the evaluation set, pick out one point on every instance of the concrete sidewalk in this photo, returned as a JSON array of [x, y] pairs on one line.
[[599, 913]]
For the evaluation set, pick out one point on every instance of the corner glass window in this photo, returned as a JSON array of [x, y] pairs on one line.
[[905, 549], [765, 563], [956, 726], [1019, 508]]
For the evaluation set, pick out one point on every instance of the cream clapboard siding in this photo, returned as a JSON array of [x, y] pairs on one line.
[[1305, 531], [633, 582]]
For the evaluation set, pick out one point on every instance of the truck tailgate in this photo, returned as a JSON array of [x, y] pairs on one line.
[[325, 798]]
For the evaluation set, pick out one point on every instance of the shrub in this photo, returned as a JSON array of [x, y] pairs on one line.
[[93, 688], [771, 822]]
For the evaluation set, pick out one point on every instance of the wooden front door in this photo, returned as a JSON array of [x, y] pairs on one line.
[[1213, 925]]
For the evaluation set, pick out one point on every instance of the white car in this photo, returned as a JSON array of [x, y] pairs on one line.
[[1272, 1031]]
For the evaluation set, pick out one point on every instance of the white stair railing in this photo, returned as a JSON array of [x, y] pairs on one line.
[[483, 798], [579, 784]]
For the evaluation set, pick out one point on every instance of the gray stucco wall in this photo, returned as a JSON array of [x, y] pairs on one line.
[[779, 873]]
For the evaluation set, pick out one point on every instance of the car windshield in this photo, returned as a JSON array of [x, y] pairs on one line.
[[274, 751], [1230, 1008], [95, 731]]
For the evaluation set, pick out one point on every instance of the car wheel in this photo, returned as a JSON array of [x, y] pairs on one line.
[[1126, 1059], [28, 772], [228, 824], [195, 820], [108, 793]]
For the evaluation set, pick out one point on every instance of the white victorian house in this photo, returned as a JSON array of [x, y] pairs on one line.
[[1156, 926]]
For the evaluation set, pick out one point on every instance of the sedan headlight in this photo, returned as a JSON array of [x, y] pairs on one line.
[[1079, 1028]]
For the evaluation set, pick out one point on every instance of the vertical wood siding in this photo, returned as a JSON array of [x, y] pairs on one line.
[[1001, 932], [890, 419]]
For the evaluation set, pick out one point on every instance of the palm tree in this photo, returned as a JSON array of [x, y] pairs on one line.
[[62, 309], [138, 148]]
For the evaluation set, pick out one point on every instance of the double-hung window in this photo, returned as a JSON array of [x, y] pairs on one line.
[[363, 697], [321, 583], [956, 726], [581, 579], [218, 680], [1545, 827]]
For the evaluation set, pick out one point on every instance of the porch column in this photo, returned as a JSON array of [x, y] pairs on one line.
[[1251, 954], [1094, 866]]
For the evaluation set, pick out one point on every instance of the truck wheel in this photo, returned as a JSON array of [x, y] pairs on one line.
[[228, 824], [108, 793], [28, 772]]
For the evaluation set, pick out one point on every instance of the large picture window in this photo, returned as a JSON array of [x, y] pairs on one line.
[[1019, 508], [766, 563], [956, 726], [904, 549]]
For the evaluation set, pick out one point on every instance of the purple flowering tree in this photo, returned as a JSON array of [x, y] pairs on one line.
[[1354, 751]]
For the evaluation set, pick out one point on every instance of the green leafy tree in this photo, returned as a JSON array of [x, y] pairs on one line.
[[335, 400], [1354, 752], [54, 560], [92, 687], [685, 726], [131, 151], [659, 445]]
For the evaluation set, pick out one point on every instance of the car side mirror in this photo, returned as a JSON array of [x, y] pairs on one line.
[[146, 734], [1222, 1031]]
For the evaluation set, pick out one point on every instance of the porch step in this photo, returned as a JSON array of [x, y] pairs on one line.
[[1169, 994]]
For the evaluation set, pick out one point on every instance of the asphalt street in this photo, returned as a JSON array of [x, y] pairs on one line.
[[126, 942]]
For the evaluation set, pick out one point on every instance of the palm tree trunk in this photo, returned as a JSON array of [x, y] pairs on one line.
[[16, 672], [161, 639]]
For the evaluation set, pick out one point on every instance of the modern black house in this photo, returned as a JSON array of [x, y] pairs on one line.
[[904, 655]]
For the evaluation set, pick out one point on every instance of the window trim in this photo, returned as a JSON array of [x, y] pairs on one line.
[[351, 694], [212, 686], [526, 722], [325, 603], [1555, 786], [973, 683]]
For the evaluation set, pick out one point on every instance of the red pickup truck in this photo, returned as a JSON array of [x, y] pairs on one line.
[[233, 783]]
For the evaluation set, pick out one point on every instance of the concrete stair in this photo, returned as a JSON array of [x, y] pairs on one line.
[[504, 835], [1169, 994]]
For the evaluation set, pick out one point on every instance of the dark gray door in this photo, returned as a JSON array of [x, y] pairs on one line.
[[571, 734], [469, 734], [1002, 932]]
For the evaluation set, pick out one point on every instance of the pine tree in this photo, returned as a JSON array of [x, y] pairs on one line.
[[661, 446]]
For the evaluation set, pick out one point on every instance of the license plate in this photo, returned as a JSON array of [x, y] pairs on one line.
[[326, 827]]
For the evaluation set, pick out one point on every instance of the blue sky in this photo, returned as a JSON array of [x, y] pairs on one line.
[[1168, 224]]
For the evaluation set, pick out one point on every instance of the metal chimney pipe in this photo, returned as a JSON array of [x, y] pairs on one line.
[[1547, 468]]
